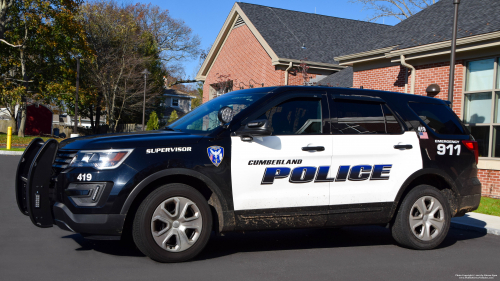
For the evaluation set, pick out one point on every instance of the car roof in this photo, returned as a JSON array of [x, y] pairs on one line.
[[385, 95]]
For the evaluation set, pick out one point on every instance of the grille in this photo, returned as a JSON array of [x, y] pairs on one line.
[[239, 22], [63, 159]]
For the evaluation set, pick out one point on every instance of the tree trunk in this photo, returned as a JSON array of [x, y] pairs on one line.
[[22, 106], [22, 126], [91, 115], [98, 114]]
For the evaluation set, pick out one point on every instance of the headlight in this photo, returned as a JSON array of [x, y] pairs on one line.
[[100, 159]]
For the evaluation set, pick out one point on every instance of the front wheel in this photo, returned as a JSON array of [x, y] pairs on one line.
[[172, 224], [423, 219]]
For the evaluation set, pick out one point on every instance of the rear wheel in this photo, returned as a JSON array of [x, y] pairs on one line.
[[172, 224], [423, 219]]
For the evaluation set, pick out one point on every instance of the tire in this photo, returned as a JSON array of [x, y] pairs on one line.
[[422, 229], [172, 224]]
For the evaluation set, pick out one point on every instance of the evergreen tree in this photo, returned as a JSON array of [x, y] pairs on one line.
[[153, 123], [173, 117]]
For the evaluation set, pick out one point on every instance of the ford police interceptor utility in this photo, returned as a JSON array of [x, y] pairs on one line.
[[267, 158]]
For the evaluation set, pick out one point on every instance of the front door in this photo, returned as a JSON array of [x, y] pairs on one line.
[[279, 171]]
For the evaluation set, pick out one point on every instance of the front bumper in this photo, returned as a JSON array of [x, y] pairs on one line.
[[94, 224]]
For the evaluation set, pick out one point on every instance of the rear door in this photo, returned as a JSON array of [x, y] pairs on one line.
[[372, 155], [278, 171]]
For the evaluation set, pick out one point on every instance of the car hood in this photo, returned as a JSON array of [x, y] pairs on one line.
[[150, 139]]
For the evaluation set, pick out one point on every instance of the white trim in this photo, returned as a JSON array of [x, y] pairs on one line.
[[489, 164], [429, 50], [172, 102], [178, 96]]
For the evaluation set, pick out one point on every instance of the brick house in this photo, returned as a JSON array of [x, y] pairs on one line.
[[262, 46], [423, 42]]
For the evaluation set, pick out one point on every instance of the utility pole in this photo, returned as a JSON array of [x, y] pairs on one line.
[[453, 51], [145, 72], [75, 129]]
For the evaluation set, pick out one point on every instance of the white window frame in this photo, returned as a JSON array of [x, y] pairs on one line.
[[172, 102], [494, 92]]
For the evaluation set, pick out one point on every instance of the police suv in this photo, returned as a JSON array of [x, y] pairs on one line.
[[267, 158]]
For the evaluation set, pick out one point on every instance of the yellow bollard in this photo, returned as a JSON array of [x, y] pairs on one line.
[[9, 137]]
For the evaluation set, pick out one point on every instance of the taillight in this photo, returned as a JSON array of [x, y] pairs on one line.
[[472, 145]]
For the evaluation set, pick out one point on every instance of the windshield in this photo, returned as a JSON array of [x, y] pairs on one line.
[[204, 119]]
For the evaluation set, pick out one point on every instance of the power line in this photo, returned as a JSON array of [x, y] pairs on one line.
[[303, 45]]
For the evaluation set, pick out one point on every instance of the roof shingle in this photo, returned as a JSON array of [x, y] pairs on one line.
[[323, 37]]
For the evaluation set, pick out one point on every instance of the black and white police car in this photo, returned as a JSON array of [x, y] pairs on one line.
[[267, 158]]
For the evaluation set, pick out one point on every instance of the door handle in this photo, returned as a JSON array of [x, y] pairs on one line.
[[313, 148], [403, 146]]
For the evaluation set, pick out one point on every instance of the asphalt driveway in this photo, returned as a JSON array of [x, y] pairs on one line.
[[350, 253]]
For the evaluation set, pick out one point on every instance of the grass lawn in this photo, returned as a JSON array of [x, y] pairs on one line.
[[13, 149], [489, 206], [17, 141]]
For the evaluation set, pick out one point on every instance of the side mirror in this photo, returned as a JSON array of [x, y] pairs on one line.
[[256, 128]]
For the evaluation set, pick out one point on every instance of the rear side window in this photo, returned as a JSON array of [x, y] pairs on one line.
[[438, 117], [360, 117]]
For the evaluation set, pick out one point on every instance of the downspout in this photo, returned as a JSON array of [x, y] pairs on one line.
[[286, 73], [413, 73]]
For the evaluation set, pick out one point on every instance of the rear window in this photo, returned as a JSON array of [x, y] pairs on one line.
[[439, 117]]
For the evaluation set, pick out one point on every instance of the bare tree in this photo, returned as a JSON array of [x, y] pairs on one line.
[[400, 9], [173, 39], [115, 70]]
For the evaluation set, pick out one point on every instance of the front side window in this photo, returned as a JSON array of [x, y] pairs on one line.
[[361, 117], [204, 119], [481, 105], [301, 116]]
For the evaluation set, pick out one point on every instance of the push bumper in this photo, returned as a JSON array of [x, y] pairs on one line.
[[33, 181], [35, 196]]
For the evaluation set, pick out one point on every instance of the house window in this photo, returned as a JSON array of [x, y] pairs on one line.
[[220, 88], [482, 105], [175, 102]]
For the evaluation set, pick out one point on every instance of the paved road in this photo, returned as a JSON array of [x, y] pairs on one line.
[[351, 253]]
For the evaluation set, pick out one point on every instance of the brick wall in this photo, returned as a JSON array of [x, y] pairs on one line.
[[245, 60], [490, 182], [393, 79]]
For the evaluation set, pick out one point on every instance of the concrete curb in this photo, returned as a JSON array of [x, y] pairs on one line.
[[6, 152], [477, 222], [484, 230]]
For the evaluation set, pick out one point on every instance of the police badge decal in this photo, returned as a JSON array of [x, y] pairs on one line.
[[216, 154]]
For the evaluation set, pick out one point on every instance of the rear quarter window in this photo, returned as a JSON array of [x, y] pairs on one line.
[[439, 117]]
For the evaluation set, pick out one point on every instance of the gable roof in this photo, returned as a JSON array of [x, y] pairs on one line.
[[434, 25], [343, 79], [284, 33], [323, 37], [177, 93]]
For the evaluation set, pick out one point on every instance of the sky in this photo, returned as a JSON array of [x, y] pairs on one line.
[[206, 17]]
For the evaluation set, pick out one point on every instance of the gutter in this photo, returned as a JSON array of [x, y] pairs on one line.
[[413, 73], [286, 72]]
